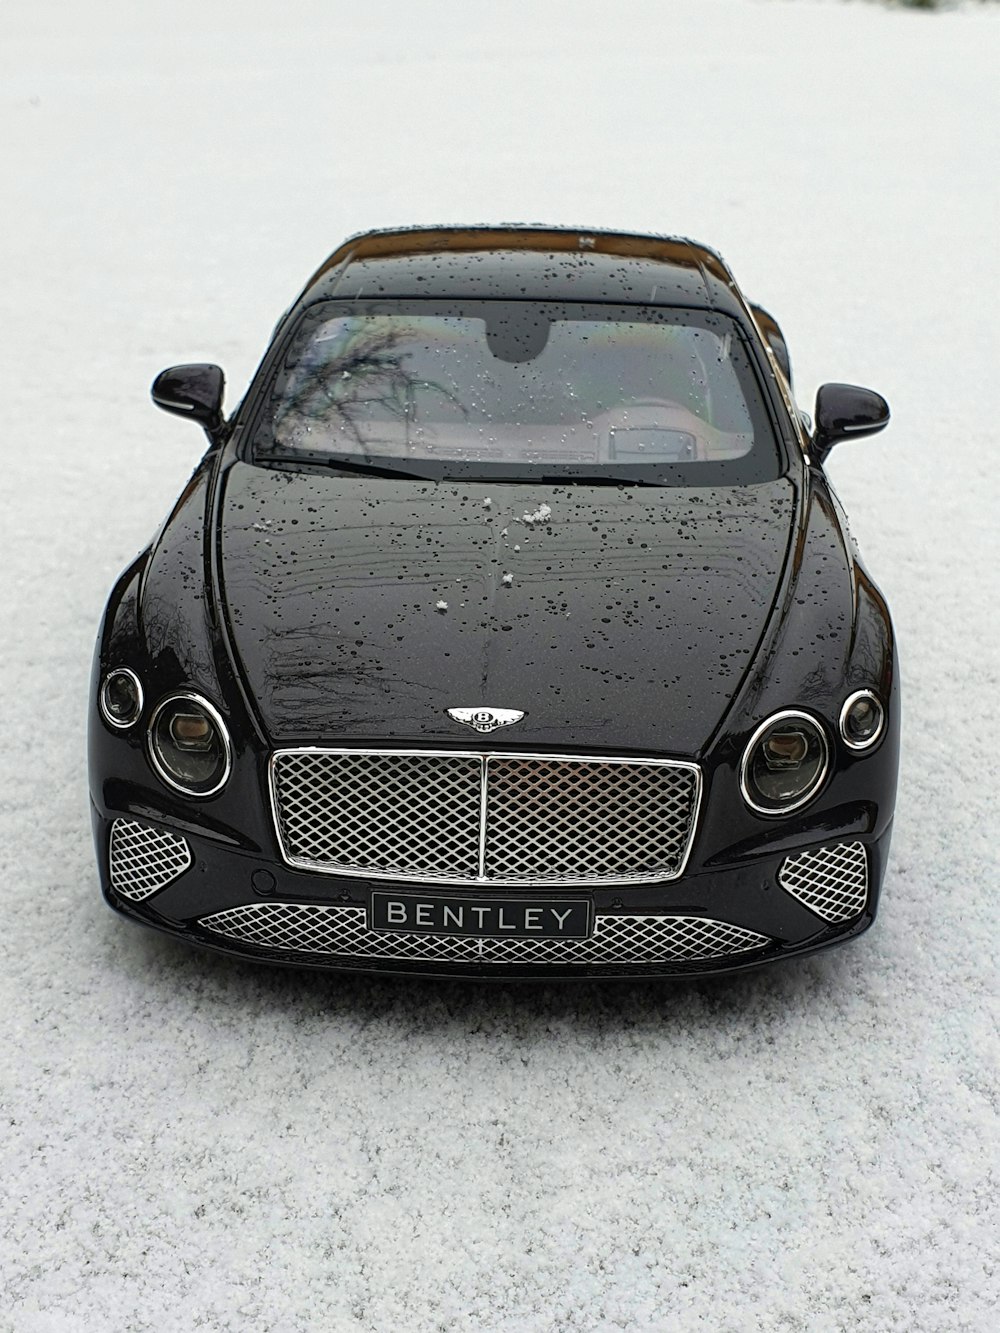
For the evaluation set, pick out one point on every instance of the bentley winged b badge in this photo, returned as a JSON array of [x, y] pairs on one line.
[[485, 719]]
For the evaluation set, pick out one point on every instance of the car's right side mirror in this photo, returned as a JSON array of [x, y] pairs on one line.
[[844, 412]]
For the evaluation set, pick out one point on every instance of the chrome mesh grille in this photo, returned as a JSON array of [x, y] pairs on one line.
[[556, 819], [832, 882], [380, 814], [145, 860], [445, 817], [306, 929]]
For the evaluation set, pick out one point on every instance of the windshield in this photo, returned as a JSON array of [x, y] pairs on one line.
[[519, 389]]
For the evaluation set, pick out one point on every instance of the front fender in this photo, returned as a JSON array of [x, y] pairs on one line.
[[161, 621], [831, 635]]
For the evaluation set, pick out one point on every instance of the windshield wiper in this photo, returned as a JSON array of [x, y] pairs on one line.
[[594, 479], [317, 458], [466, 470]]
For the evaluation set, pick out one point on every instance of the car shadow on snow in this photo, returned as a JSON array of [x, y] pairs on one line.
[[174, 969]]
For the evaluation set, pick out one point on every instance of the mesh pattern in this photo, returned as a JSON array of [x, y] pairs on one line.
[[548, 819], [380, 814], [832, 882], [581, 820], [145, 860], [306, 929]]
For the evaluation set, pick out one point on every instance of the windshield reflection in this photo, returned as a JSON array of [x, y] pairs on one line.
[[516, 384]]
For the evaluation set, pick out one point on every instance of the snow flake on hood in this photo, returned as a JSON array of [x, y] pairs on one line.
[[540, 515]]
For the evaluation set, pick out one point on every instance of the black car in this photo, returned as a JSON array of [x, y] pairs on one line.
[[508, 627]]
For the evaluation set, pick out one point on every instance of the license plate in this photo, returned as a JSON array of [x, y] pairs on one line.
[[427, 914]]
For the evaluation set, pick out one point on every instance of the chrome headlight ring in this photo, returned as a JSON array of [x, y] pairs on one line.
[[133, 684], [154, 742], [867, 742], [816, 732]]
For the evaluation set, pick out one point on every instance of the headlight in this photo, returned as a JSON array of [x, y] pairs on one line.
[[784, 764], [121, 697], [862, 719], [189, 745]]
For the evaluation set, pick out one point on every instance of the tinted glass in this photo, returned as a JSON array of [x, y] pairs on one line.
[[515, 389]]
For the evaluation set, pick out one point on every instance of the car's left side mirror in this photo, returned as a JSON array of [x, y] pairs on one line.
[[844, 412], [768, 326], [192, 391]]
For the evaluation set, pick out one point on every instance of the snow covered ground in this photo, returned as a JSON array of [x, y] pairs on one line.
[[192, 1143]]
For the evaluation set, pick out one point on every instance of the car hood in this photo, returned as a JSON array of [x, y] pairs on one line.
[[361, 609]]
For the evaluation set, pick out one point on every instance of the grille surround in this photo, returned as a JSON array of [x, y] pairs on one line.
[[143, 860], [618, 939], [831, 881], [677, 784]]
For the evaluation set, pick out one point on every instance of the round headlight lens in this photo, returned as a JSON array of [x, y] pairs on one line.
[[861, 720], [784, 764], [189, 745], [121, 697]]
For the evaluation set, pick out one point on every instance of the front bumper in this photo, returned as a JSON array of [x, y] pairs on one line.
[[772, 905]]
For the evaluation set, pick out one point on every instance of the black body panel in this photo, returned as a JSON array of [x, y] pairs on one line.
[[615, 627], [524, 263], [659, 622]]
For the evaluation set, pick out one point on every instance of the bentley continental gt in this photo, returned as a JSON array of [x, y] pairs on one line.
[[508, 627]]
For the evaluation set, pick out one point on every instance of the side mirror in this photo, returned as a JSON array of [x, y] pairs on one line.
[[844, 412], [194, 392], [768, 326]]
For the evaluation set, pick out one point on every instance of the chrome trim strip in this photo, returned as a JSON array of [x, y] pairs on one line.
[[813, 791], [484, 769], [865, 425], [223, 731], [172, 403], [111, 721], [873, 740], [301, 863]]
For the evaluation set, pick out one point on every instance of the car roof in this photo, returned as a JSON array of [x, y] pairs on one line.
[[527, 263]]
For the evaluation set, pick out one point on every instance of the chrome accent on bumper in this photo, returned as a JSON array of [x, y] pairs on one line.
[[144, 860], [461, 817], [832, 881], [306, 929]]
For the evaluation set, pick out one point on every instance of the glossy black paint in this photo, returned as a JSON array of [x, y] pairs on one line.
[[193, 391], [643, 621], [844, 412], [775, 339], [334, 625]]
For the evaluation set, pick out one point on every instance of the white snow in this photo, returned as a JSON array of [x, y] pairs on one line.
[[537, 515], [193, 1143]]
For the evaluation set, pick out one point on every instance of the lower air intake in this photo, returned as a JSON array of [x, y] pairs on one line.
[[145, 860], [832, 882], [305, 929]]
